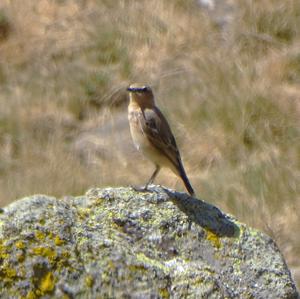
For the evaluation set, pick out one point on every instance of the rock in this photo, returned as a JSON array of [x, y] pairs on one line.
[[94, 144], [119, 243]]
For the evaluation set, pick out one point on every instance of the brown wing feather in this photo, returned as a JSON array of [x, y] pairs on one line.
[[158, 132]]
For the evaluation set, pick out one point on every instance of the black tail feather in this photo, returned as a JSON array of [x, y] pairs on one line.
[[185, 180]]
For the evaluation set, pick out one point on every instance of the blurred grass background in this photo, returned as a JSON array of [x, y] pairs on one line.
[[229, 85]]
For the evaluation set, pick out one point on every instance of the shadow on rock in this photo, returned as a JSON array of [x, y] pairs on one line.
[[204, 214]]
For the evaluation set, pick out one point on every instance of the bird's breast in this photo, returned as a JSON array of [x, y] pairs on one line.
[[139, 139]]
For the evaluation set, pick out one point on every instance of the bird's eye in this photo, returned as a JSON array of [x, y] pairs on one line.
[[145, 88]]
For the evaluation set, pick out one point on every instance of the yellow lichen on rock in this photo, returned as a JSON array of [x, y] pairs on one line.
[[89, 281], [47, 283], [31, 295], [10, 272], [20, 244], [213, 238], [45, 252], [58, 241], [164, 293], [40, 235], [3, 250]]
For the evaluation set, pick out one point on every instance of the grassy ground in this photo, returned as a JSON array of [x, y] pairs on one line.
[[231, 94]]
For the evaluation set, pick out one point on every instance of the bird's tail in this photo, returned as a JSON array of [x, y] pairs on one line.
[[185, 179]]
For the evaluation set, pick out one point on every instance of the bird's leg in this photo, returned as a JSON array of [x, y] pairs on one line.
[[152, 178]]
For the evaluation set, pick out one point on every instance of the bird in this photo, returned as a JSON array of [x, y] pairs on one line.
[[152, 135]]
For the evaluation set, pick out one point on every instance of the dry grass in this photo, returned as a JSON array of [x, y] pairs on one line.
[[63, 68]]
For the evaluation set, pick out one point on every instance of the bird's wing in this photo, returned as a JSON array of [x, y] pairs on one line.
[[157, 130]]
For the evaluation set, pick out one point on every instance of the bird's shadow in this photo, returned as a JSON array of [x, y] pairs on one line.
[[204, 214]]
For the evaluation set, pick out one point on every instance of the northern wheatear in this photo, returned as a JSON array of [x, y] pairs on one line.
[[152, 135]]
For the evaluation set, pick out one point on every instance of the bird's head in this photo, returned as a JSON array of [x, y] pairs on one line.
[[141, 94]]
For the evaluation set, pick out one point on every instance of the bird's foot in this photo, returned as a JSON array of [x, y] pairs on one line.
[[140, 189]]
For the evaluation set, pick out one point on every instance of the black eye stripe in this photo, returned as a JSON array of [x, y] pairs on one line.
[[138, 89], [141, 89]]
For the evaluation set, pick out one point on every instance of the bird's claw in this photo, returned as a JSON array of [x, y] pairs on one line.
[[140, 189]]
